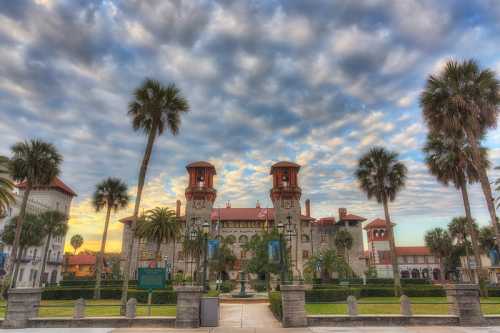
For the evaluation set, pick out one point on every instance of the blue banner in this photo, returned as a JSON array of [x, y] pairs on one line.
[[273, 251], [213, 247]]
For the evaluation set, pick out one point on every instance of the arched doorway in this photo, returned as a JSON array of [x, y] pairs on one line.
[[415, 274], [425, 273], [405, 274], [53, 277], [436, 274]]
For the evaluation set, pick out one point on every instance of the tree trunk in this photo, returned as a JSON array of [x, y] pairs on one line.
[[470, 226], [17, 263], [140, 186], [392, 246], [17, 237], [100, 258], [467, 256], [44, 259], [157, 254], [485, 184], [172, 271], [441, 267]]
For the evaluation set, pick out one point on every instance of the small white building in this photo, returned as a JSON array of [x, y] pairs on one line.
[[415, 262], [56, 196]]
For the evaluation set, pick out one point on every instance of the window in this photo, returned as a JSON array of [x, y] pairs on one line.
[[243, 254], [305, 238], [305, 254], [323, 238], [21, 273], [180, 255]]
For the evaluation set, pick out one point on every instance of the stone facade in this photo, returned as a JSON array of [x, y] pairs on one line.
[[465, 303], [22, 305], [293, 302], [188, 306]]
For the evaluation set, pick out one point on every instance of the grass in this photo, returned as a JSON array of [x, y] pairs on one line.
[[96, 308], [437, 307]]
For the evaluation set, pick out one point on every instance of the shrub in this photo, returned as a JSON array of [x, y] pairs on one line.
[[330, 295], [159, 297], [258, 285], [227, 286], [91, 283], [275, 304], [493, 292]]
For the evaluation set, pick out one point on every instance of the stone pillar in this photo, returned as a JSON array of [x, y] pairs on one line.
[[352, 306], [293, 302], [188, 306], [465, 303], [22, 304], [405, 306], [79, 310], [131, 308]]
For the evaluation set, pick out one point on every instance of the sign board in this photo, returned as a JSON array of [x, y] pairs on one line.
[[151, 278], [273, 251]]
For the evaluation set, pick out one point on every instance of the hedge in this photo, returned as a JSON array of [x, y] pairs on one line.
[[91, 283], [340, 294], [372, 283], [275, 304], [159, 297]]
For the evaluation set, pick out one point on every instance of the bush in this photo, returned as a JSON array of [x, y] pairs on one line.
[[275, 304], [159, 297], [227, 286], [330, 295], [258, 285], [91, 283]]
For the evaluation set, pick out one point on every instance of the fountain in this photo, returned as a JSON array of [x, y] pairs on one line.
[[242, 293]]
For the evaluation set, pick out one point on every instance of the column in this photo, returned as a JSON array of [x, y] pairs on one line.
[[188, 306], [465, 303], [22, 304], [293, 301]]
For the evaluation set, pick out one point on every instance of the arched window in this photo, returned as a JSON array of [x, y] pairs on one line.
[[254, 237], [243, 239], [231, 239], [405, 274], [436, 274], [415, 274], [425, 273], [305, 238]]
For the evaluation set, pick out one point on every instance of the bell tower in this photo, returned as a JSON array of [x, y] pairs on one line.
[[285, 195], [200, 193]]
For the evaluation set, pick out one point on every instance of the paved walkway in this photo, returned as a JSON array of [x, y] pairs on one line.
[[247, 315]]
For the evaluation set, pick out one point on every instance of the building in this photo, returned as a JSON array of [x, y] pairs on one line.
[[309, 235], [413, 261], [56, 196], [83, 266]]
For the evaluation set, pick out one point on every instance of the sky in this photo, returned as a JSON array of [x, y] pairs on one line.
[[315, 82]]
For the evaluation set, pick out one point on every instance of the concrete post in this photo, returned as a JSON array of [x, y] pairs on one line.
[[79, 310], [293, 299], [465, 303], [405, 306], [188, 306], [352, 306], [22, 304], [131, 309]]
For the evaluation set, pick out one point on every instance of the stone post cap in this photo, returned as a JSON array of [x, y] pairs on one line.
[[188, 289], [132, 301], [80, 301], [466, 286], [292, 287], [24, 290]]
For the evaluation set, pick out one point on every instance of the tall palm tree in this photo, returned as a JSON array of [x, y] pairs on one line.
[[111, 194], [35, 163], [459, 230], [486, 239], [158, 225], [54, 224], [154, 109], [466, 98], [382, 176], [32, 234], [439, 242], [343, 242], [76, 242], [6, 186], [450, 158]]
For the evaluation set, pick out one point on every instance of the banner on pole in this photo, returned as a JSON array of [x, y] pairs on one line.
[[273, 251]]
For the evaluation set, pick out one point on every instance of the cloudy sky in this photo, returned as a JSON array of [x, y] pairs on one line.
[[316, 82]]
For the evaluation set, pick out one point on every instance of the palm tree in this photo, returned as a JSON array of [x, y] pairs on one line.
[[343, 241], [327, 262], [158, 225], [459, 230], [450, 159], [439, 242], [35, 163], [486, 239], [465, 98], [54, 224], [76, 242], [6, 186], [111, 194], [154, 108], [32, 234], [382, 176]]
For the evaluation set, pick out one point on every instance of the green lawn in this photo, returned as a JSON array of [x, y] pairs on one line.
[[380, 308], [96, 308]]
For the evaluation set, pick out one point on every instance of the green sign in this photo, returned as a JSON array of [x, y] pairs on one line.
[[151, 278]]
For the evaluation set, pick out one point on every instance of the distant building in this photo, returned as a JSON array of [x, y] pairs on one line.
[[83, 266], [241, 224], [413, 261], [56, 196]]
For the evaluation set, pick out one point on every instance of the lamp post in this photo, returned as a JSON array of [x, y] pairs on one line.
[[206, 230], [291, 232], [281, 229], [192, 237]]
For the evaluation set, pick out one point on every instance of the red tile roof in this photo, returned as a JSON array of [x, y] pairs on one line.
[[200, 164], [325, 221], [412, 250], [55, 183], [352, 217], [284, 164], [377, 223], [82, 259]]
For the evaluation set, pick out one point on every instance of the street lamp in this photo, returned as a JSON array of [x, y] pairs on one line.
[[205, 229], [192, 236], [281, 230]]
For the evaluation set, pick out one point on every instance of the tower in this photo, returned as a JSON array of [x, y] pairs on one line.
[[379, 252], [285, 195], [200, 193]]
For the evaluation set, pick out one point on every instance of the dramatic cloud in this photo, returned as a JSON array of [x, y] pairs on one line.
[[314, 82]]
